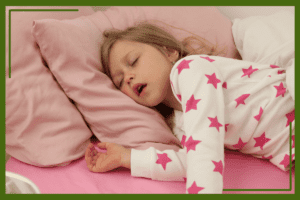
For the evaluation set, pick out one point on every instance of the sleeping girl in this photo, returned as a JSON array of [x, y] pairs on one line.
[[217, 102]]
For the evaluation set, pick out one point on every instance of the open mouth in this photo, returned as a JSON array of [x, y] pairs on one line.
[[138, 89]]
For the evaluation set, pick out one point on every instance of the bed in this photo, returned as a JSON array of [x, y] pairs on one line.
[[57, 97]]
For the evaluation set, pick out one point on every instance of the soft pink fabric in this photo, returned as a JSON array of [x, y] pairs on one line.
[[71, 49], [42, 126], [241, 172]]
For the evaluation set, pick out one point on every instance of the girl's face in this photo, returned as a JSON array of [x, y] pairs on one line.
[[141, 72]]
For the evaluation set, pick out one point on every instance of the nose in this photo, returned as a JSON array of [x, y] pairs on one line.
[[129, 77]]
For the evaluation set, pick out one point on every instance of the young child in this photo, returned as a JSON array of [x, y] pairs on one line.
[[217, 102]]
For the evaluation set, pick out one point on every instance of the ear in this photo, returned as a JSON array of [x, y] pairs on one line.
[[171, 54]]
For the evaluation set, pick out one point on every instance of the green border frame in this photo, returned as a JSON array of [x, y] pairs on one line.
[[63, 10]]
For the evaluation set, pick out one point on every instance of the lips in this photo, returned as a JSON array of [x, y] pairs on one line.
[[138, 88]]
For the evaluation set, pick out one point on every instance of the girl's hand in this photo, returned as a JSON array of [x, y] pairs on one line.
[[116, 156]]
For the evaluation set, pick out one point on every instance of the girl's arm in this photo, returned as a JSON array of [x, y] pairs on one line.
[[157, 165], [197, 84], [167, 165]]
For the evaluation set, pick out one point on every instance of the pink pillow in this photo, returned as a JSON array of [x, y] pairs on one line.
[[71, 49], [43, 127]]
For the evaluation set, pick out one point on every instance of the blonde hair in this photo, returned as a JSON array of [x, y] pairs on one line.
[[150, 34]]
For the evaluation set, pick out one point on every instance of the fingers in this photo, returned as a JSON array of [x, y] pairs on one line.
[[98, 163], [91, 156], [103, 145]]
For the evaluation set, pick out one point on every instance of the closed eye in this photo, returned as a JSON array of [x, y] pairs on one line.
[[134, 62]]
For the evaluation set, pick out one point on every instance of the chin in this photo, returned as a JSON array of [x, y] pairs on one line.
[[150, 103]]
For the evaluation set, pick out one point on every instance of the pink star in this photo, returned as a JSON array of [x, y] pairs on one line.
[[191, 144], [212, 79], [179, 96], [248, 72], [280, 71], [183, 140], [218, 166], [163, 159], [224, 85], [172, 84], [207, 58], [274, 66], [268, 158], [286, 160], [240, 144], [226, 127], [214, 122], [194, 189], [191, 104], [261, 141], [293, 139], [241, 99], [257, 117], [290, 117], [183, 65], [280, 90]]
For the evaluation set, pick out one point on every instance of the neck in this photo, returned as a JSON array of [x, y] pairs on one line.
[[171, 101]]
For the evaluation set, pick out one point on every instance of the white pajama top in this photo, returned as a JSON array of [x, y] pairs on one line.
[[238, 104]]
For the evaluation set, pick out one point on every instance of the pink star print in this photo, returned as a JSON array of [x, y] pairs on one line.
[[280, 71], [257, 117], [179, 96], [274, 66], [183, 65], [286, 160], [290, 117], [268, 158], [280, 90], [191, 104], [226, 127], [212, 79], [214, 123], [248, 72], [240, 144], [194, 189], [207, 58], [293, 139], [218, 166], [163, 159], [191, 144], [241, 99], [261, 141], [183, 140], [224, 85]]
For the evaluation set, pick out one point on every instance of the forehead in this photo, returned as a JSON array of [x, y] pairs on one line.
[[119, 52], [121, 48]]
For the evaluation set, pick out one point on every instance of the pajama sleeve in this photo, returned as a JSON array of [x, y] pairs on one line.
[[197, 84], [168, 165]]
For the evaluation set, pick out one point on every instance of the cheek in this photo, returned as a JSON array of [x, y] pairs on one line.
[[126, 90]]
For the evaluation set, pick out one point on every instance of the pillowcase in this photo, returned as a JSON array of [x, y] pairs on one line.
[[71, 50], [43, 127]]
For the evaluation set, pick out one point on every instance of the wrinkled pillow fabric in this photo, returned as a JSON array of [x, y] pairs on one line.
[[71, 50], [43, 127]]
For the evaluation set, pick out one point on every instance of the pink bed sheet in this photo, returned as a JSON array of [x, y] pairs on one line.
[[241, 172]]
